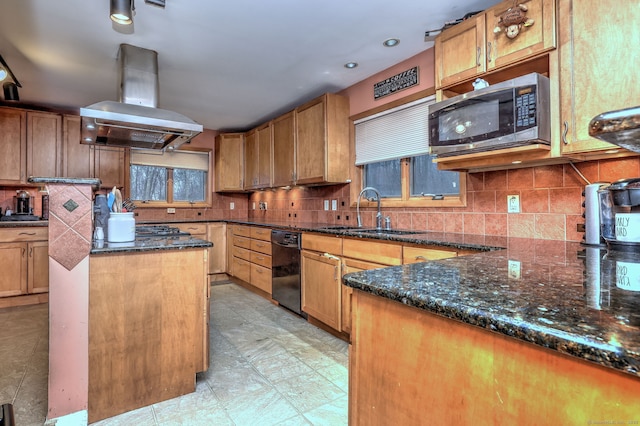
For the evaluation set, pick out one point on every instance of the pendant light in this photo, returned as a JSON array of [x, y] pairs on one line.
[[10, 82], [122, 11]]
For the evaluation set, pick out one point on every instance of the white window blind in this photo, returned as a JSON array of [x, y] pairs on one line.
[[396, 133], [193, 160]]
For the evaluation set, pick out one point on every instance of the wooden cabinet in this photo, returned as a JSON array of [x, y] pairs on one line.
[[597, 66], [258, 158], [284, 149], [321, 287], [13, 145], [44, 144], [348, 266], [111, 166], [471, 48], [420, 254], [229, 269], [252, 256], [77, 158], [217, 234], [229, 162], [322, 138], [24, 260]]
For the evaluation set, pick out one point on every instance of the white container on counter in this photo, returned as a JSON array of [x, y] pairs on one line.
[[121, 227]]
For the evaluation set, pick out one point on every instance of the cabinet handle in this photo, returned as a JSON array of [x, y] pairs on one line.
[[27, 233], [30, 251], [478, 55], [259, 257], [335, 273], [330, 256], [24, 251], [258, 270], [565, 130], [488, 52], [421, 258]]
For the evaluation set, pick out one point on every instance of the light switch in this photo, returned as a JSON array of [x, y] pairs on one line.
[[326, 204], [334, 204]]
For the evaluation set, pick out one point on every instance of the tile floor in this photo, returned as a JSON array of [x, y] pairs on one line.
[[268, 367]]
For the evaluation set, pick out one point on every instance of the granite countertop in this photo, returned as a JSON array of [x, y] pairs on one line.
[[577, 300], [23, 223], [148, 244]]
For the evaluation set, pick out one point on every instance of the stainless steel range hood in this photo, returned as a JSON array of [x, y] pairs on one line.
[[135, 121]]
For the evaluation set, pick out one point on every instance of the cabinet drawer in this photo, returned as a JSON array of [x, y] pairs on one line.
[[242, 253], [322, 243], [261, 246], [241, 269], [261, 259], [261, 233], [243, 231], [384, 253], [241, 242], [195, 229], [261, 277], [418, 254], [8, 235]]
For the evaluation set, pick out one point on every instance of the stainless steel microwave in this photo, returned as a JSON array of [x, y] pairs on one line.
[[509, 114]]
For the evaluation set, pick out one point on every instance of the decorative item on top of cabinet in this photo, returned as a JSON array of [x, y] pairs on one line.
[[322, 140], [471, 48], [229, 162], [284, 149], [597, 64]]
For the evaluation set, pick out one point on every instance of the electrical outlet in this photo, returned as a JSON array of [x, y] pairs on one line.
[[334, 204], [254, 205], [513, 203], [326, 204], [171, 210], [232, 205], [514, 269]]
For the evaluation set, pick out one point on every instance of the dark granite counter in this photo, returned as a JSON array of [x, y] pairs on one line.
[[23, 224], [149, 244], [583, 302]]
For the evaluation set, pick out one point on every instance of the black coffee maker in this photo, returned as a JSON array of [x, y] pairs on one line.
[[22, 202]]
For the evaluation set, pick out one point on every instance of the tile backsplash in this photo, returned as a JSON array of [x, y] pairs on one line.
[[550, 202]]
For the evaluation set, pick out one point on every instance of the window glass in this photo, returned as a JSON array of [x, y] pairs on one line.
[[189, 185], [386, 177], [148, 183], [427, 180]]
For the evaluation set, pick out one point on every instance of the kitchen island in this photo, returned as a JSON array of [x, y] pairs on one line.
[[543, 332], [148, 322]]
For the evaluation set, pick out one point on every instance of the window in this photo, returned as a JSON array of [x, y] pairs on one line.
[[178, 178], [392, 155]]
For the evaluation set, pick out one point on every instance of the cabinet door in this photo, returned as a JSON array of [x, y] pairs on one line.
[[417, 254], [311, 138], [77, 158], [321, 288], [460, 51], [110, 166], [13, 146], [284, 155], [229, 162], [13, 261], [538, 38], [349, 266], [242, 269], [38, 274], [44, 144], [251, 160], [217, 234], [263, 135], [229, 270]]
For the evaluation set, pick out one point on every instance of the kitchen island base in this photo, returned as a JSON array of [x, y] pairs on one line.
[[148, 332], [409, 366]]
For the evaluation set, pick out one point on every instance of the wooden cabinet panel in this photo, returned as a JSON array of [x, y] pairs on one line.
[[44, 144], [229, 162], [230, 229], [349, 266], [251, 159], [261, 259], [460, 51], [241, 269], [38, 267], [591, 82], [261, 246], [284, 149], [418, 254], [252, 256], [322, 243], [261, 233], [261, 277], [13, 261], [217, 234], [243, 231], [241, 253], [198, 230], [321, 288], [383, 253], [77, 158], [264, 156], [13, 145], [36, 233], [110, 166], [242, 242]]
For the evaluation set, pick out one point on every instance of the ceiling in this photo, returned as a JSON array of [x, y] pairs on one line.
[[228, 65]]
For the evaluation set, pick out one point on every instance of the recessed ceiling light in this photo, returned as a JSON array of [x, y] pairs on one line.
[[390, 42], [351, 65]]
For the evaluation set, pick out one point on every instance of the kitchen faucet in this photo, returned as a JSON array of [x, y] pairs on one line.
[[378, 216]]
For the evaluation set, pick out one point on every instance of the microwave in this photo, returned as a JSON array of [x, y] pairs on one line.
[[509, 114]]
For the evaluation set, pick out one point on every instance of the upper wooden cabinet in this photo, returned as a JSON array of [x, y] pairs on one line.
[[257, 159], [284, 149], [472, 48], [44, 144], [77, 158], [598, 68], [13, 145], [229, 162], [110, 166], [322, 138]]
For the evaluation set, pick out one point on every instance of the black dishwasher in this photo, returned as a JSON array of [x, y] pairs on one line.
[[285, 269]]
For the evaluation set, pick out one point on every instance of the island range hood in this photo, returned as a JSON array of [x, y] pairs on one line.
[[135, 121]]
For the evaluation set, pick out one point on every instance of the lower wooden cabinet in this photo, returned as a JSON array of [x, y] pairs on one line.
[[217, 234], [24, 261], [251, 256], [322, 287]]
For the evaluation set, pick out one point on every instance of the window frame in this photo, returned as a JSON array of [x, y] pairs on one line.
[[405, 200], [177, 204]]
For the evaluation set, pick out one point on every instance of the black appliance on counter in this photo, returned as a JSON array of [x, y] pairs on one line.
[[285, 270]]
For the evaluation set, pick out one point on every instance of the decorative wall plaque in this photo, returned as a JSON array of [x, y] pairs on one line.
[[394, 84]]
